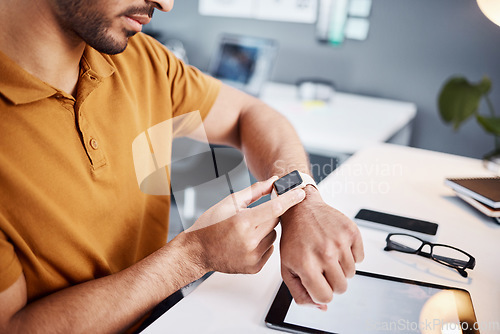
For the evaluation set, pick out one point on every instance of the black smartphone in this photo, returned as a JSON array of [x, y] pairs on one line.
[[394, 223]]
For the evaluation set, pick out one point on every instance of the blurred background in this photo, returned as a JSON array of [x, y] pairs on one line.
[[412, 48], [407, 53]]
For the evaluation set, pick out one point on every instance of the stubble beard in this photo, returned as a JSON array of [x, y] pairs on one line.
[[91, 26]]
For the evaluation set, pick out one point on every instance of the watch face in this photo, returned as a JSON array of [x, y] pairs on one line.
[[287, 182]]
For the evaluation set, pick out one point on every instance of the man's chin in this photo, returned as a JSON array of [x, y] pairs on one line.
[[113, 46], [130, 33]]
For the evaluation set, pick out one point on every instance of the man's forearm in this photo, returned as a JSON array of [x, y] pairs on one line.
[[270, 143], [113, 303], [319, 245]]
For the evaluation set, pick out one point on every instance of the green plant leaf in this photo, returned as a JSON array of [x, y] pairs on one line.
[[485, 85], [490, 124], [459, 99]]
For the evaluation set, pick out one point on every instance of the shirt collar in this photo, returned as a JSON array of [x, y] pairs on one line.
[[96, 63], [20, 86]]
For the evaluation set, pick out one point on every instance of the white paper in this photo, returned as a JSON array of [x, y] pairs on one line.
[[302, 11], [356, 28], [233, 8], [360, 8]]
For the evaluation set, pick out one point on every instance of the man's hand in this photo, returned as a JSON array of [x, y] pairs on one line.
[[319, 249], [319, 245], [233, 238]]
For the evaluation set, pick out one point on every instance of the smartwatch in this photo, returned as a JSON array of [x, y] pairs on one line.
[[291, 181]]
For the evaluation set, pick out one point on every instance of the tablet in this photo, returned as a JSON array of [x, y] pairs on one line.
[[378, 304]]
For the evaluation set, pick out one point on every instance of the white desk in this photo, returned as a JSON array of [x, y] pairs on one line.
[[345, 125], [388, 178]]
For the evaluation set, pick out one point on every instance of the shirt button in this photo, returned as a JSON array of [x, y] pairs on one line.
[[94, 144]]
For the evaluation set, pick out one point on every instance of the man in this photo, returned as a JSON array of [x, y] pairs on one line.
[[82, 249]]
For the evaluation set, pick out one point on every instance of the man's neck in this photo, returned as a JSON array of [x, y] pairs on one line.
[[31, 36]]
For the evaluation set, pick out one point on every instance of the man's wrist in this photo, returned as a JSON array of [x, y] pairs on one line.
[[313, 197], [312, 190], [192, 248]]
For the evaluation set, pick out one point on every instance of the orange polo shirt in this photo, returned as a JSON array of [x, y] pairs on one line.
[[71, 209]]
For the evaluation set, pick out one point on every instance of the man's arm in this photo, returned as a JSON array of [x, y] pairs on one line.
[[226, 238], [109, 304], [264, 136], [319, 244]]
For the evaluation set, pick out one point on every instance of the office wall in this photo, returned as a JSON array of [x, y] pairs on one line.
[[412, 48]]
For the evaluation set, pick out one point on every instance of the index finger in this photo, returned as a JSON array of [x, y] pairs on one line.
[[357, 249], [250, 194], [267, 213]]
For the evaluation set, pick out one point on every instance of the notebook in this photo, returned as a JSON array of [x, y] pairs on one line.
[[483, 189], [488, 211]]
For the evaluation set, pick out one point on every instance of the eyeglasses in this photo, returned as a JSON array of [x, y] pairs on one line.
[[444, 254]]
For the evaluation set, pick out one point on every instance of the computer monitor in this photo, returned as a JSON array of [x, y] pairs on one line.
[[244, 62]]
